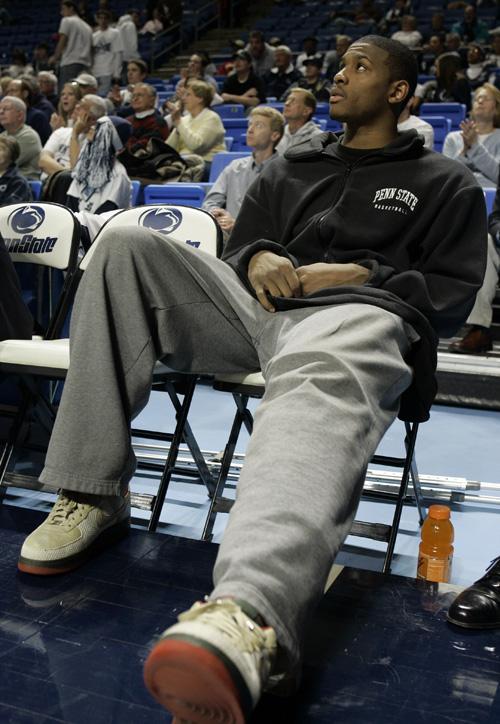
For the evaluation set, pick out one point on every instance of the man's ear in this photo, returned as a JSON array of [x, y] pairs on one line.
[[398, 91]]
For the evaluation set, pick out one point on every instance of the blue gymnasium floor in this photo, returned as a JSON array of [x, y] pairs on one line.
[[379, 648]]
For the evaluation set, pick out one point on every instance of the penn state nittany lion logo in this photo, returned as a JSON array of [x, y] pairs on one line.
[[26, 219], [162, 219]]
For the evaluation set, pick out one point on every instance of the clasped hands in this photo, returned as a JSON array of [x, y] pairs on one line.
[[271, 274], [469, 133]]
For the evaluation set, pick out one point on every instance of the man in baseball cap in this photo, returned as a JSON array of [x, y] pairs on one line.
[[243, 85]]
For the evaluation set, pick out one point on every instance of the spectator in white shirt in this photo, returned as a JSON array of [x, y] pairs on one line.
[[408, 35], [107, 50], [407, 121], [74, 47]]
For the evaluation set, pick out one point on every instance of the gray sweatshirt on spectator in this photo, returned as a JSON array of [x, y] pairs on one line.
[[482, 159]]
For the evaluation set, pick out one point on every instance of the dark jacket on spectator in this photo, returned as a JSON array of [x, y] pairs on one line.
[[39, 123], [14, 188]]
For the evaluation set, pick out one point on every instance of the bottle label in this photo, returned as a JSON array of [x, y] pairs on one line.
[[434, 569]]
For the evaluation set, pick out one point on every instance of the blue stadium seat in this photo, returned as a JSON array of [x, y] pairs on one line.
[[489, 197], [454, 111], [36, 189], [235, 127], [228, 140], [221, 160], [174, 193], [230, 110], [441, 126], [134, 194]]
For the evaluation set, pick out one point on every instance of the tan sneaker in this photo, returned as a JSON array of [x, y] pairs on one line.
[[78, 526], [212, 665]]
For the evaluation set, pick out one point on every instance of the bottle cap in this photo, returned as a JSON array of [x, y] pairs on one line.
[[439, 512]]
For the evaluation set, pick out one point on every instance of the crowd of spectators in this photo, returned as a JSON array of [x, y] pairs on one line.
[[43, 97]]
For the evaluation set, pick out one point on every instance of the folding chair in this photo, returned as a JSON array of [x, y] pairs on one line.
[[174, 193], [252, 385], [49, 359], [46, 235]]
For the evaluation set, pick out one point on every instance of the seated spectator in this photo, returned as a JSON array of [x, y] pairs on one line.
[[200, 130], [36, 118], [313, 82], [41, 59], [243, 86], [107, 52], [197, 68], [394, 16], [262, 53], [310, 50], [450, 86], [477, 144], [29, 91], [147, 122], [137, 71], [280, 78], [87, 83], [298, 111], [19, 65], [407, 121], [223, 201], [14, 188], [453, 44], [13, 120], [478, 68], [470, 28], [100, 182], [47, 83], [408, 35], [431, 52], [155, 25], [55, 153], [331, 64]]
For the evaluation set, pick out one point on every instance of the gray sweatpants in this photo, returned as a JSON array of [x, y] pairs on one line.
[[334, 376]]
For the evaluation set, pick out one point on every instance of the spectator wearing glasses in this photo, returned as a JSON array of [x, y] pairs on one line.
[[13, 120]]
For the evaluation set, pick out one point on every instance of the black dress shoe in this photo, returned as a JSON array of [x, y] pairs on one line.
[[479, 605], [478, 340]]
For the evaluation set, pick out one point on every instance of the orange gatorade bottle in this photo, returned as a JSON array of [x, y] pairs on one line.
[[436, 547]]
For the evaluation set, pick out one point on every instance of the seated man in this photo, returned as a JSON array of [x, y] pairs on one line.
[[12, 118], [146, 122], [47, 83], [298, 111], [38, 108], [265, 128], [243, 86], [283, 75], [347, 259], [313, 80]]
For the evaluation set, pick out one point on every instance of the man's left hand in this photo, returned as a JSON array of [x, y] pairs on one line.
[[321, 276]]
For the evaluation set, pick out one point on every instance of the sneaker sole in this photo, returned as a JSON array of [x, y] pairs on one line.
[[192, 683], [64, 565]]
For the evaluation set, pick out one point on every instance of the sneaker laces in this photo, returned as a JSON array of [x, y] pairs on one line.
[[230, 620], [67, 510]]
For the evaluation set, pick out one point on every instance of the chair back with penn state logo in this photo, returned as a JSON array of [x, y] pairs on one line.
[[44, 235], [183, 224]]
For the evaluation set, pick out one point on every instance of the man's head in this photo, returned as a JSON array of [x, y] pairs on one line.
[[469, 13], [312, 69], [242, 62], [310, 45], [19, 89], [300, 106], [452, 42], [103, 18], [196, 66], [282, 57], [137, 70], [265, 128], [92, 106], [12, 113], [256, 43], [9, 151], [68, 8], [143, 97], [342, 42], [87, 83], [377, 76], [41, 51], [436, 45], [47, 82]]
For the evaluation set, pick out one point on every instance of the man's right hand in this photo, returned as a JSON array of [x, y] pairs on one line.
[[270, 273]]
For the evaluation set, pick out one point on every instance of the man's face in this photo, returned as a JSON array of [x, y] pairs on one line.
[[241, 65], [256, 47], [142, 99], [46, 86], [102, 21], [82, 110], [435, 44], [134, 73], [195, 65], [65, 10], [11, 118], [452, 42], [469, 14], [281, 60], [295, 108], [311, 72], [259, 133], [361, 87]]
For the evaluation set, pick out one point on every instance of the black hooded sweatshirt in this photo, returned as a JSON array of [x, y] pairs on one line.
[[415, 219]]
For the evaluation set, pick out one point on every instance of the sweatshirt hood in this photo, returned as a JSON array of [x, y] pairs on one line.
[[327, 143]]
